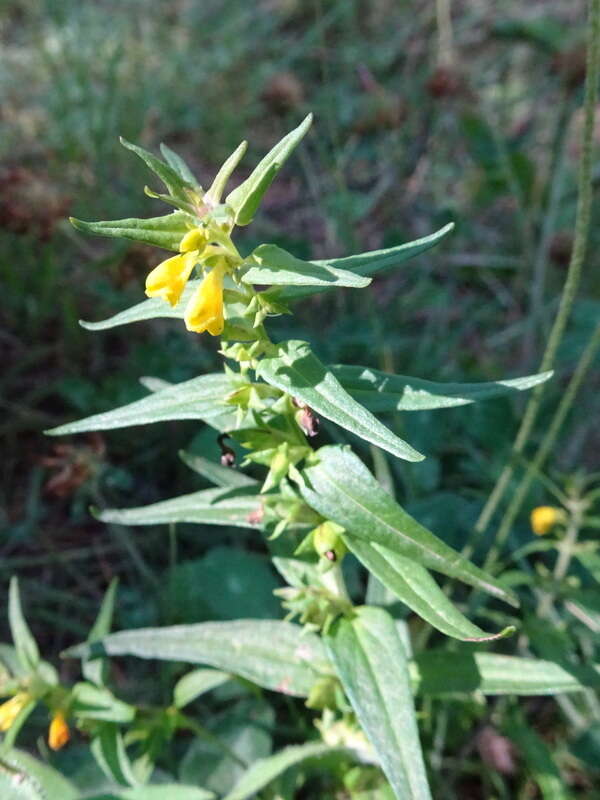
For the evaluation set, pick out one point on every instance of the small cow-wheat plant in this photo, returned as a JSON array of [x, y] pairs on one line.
[[315, 504]]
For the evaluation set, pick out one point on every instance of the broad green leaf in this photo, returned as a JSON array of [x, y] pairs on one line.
[[295, 369], [108, 749], [177, 186], [438, 672], [165, 232], [25, 645], [265, 770], [177, 163], [275, 655], [413, 584], [38, 780], [197, 683], [372, 263], [216, 473], [371, 664], [218, 185], [246, 198], [381, 391], [272, 265], [222, 506], [162, 791], [97, 702], [95, 671], [199, 398], [342, 489]]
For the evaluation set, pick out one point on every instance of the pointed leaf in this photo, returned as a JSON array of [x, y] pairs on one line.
[[342, 489], [197, 683], [108, 749], [165, 232], [275, 655], [223, 506], [161, 791], [371, 663], [216, 473], [413, 584], [199, 398], [49, 783], [273, 265], [177, 163], [223, 175], [95, 671], [25, 645], [381, 391], [295, 369], [97, 702], [171, 178], [246, 198]]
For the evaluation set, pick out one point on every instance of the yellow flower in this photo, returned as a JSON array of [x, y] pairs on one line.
[[544, 518], [58, 733], [11, 709], [169, 278], [204, 312]]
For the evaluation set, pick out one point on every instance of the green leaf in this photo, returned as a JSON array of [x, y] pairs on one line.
[[165, 232], [222, 506], [177, 186], [25, 645], [216, 473], [295, 369], [538, 758], [223, 175], [15, 784], [199, 398], [95, 671], [97, 702], [246, 198], [381, 391], [442, 672], [162, 791], [37, 780], [177, 163], [413, 584], [275, 655], [265, 770], [273, 265], [197, 683], [108, 749], [371, 663], [375, 262], [342, 489]]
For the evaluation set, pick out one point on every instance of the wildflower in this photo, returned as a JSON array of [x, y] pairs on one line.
[[11, 709], [169, 278], [204, 312], [544, 518], [58, 732]]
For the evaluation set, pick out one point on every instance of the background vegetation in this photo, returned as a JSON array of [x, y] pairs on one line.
[[420, 119]]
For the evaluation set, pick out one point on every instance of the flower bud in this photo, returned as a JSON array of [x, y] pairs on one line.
[[544, 518], [328, 542], [58, 732], [11, 709]]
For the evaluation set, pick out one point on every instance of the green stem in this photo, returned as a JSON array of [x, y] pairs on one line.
[[582, 223]]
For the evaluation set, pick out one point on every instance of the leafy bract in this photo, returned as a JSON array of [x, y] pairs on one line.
[[178, 186], [342, 489], [272, 265], [413, 584], [199, 398], [165, 232], [293, 368], [245, 199], [25, 645], [218, 185], [381, 391], [275, 655], [222, 506], [175, 161], [371, 663], [96, 671]]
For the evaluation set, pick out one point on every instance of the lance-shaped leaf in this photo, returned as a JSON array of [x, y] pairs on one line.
[[108, 748], [371, 663], [199, 398], [223, 175], [165, 232], [177, 186], [295, 369], [273, 265], [216, 473], [273, 654], [342, 489], [23, 777], [96, 671], [381, 391], [223, 506], [265, 770], [97, 702], [246, 198], [413, 584], [25, 645], [438, 672], [161, 791], [178, 164]]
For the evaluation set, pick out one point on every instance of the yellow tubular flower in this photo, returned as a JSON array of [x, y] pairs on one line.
[[544, 518], [58, 733], [169, 278], [204, 312], [11, 709]]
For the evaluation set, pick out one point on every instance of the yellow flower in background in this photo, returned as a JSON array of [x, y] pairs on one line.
[[169, 278], [204, 312], [544, 518], [11, 709], [58, 733]]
